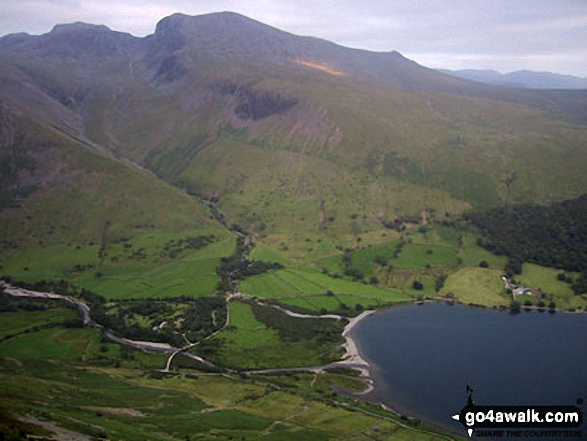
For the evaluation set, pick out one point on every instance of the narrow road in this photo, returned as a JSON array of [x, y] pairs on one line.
[[352, 359], [108, 333], [20, 292]]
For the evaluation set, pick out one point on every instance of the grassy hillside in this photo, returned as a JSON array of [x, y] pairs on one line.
[[67, 382], [300, 123], [131, 167], [80, 215]]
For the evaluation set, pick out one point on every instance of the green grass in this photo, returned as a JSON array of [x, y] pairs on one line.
[[330, 419], [268, 285], [319, 304], [367, 302], [249, 343], [292, 283], [418, 256], [303, 283], [61, 343], [471, 254], [261, 252], [545, 280], [307, 304], [189, 276], [478, 286], [12, 323], [104, 217], [274, 405], [192, 274], [70, 377], [333, 263], [363, 259], [429, 286], [242, 317], [330, 303]]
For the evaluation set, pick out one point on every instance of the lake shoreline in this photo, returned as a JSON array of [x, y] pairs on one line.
[[381, 394]]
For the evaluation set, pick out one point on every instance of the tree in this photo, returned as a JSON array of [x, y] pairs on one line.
[[514, 307], [439, 282], [417, 285], [483, 264]]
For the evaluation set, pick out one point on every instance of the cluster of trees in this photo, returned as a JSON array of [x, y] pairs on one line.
[[348, 269], [207, 315], [580, 284], [10, 303], [204, 315], [237, 266], [174, 247], [62, 287], [294, 329], [439, 283], [554, 236], [396, 224]]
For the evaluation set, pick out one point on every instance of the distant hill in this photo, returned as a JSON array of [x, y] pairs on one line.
[[291, 134], [521, 78]]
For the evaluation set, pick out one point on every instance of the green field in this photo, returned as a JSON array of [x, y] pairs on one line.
[[191, 274], [477, 286], [69, 377], [307, 289], [420, 256], [250, 343], [472, 254], [363, 259], [338, 304], [545, 280], [17, 322]]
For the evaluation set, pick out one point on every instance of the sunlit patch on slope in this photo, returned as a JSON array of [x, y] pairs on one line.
[[322, 67]]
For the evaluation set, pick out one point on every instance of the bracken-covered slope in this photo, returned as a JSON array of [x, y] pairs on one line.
[[295, 133]]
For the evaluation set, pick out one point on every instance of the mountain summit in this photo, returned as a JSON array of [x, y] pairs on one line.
[[227, 107]]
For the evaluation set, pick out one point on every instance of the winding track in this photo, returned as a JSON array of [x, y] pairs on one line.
[[108, 333], [348, 362], [351, 359]]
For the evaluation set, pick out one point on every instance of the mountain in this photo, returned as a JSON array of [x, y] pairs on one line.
[[521, 78], [186, 183], [290, 134]]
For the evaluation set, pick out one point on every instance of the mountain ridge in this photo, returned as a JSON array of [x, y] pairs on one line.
[[227, 107], [242, 34]]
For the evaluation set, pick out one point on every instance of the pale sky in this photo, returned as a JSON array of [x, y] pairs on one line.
[[504, 35]]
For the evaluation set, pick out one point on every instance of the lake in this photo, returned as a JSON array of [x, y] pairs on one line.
[[424, 356]]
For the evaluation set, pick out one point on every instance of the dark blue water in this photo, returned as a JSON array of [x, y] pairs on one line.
[[425, 356]]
